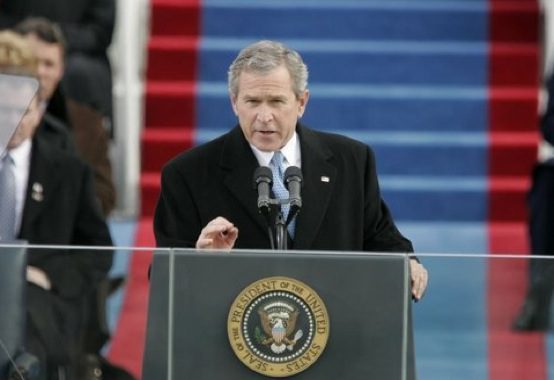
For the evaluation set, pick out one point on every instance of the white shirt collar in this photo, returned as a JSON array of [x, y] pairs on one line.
[[21, 154], [291, 153]]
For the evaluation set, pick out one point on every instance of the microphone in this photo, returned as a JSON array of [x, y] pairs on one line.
[[293, 182], [262, 181]]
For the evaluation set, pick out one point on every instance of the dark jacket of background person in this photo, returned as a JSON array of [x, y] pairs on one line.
[[60, 209], [341, 212], [541, 196], [547, 126], [535, 312], [92, 143], [76, 127]]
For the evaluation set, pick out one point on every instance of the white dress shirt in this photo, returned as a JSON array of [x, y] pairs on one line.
[[291, 153], [21, 156]]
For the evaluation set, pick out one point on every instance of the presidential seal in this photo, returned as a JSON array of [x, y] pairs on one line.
[[278, 326]]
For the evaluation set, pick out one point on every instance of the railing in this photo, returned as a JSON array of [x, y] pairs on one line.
[[463, 327]]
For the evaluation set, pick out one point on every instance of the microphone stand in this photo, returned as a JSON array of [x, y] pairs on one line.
[[281, 235], [278, 236], [281, 232]]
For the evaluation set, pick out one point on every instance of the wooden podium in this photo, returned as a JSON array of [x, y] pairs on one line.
[[209, 316]]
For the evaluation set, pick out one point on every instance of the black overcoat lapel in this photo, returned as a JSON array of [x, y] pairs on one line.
[[238, 164], [319, 175]]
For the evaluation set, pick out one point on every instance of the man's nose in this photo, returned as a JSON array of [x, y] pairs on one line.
[[42, 70], [264, 114]]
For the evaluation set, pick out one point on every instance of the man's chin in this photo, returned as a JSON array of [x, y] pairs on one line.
[[266, 144], [46, 95]]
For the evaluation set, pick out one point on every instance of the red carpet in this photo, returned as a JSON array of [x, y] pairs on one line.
[[127, 344], [513, 123], [169, 128], [170, 98], [512, 356]]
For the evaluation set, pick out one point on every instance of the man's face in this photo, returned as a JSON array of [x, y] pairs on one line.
[[27, 126], [267, 108], [50, 65]]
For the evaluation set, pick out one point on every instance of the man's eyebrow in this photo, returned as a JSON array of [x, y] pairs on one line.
[[250, 97]]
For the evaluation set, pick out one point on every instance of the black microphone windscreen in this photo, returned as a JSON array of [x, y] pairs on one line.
[[291, 173], [293, 181], [263, 179], [262, 173]]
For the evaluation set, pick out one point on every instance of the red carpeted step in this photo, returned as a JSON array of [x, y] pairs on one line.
[[514, 21], [509, 238], [150, 191], [172, 58], [512, 153], [513, 109], [508, 204], [175, 17], [510, 63], [170, 103], [507, 201], [159, 145]]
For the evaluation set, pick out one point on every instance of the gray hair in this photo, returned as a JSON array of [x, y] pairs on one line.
[[265, 56]]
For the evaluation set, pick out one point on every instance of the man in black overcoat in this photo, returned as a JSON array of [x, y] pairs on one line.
[[208, 200]]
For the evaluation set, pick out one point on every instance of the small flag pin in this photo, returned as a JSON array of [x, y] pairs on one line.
[[324, 178]]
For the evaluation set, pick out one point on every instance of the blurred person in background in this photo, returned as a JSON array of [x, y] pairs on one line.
[[535, 312], [87, 26], [47, 198], [66, 122]]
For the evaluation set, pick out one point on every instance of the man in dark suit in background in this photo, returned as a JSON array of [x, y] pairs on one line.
[[207, 199], [53, 204], [67, 123], [535, 311]]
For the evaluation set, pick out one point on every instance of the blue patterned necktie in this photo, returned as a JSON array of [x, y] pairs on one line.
[[7, 199], [277, 166]]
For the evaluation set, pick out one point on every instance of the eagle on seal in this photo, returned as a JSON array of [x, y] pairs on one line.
[[278, 322]]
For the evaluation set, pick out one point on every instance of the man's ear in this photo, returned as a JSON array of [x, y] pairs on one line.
[[234, 104], [303, 101]]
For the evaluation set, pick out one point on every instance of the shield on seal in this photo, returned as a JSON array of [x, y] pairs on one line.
[[278, 332]]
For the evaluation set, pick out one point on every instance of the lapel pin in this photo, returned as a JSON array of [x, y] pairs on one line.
[[324, 178], [37, 192]]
